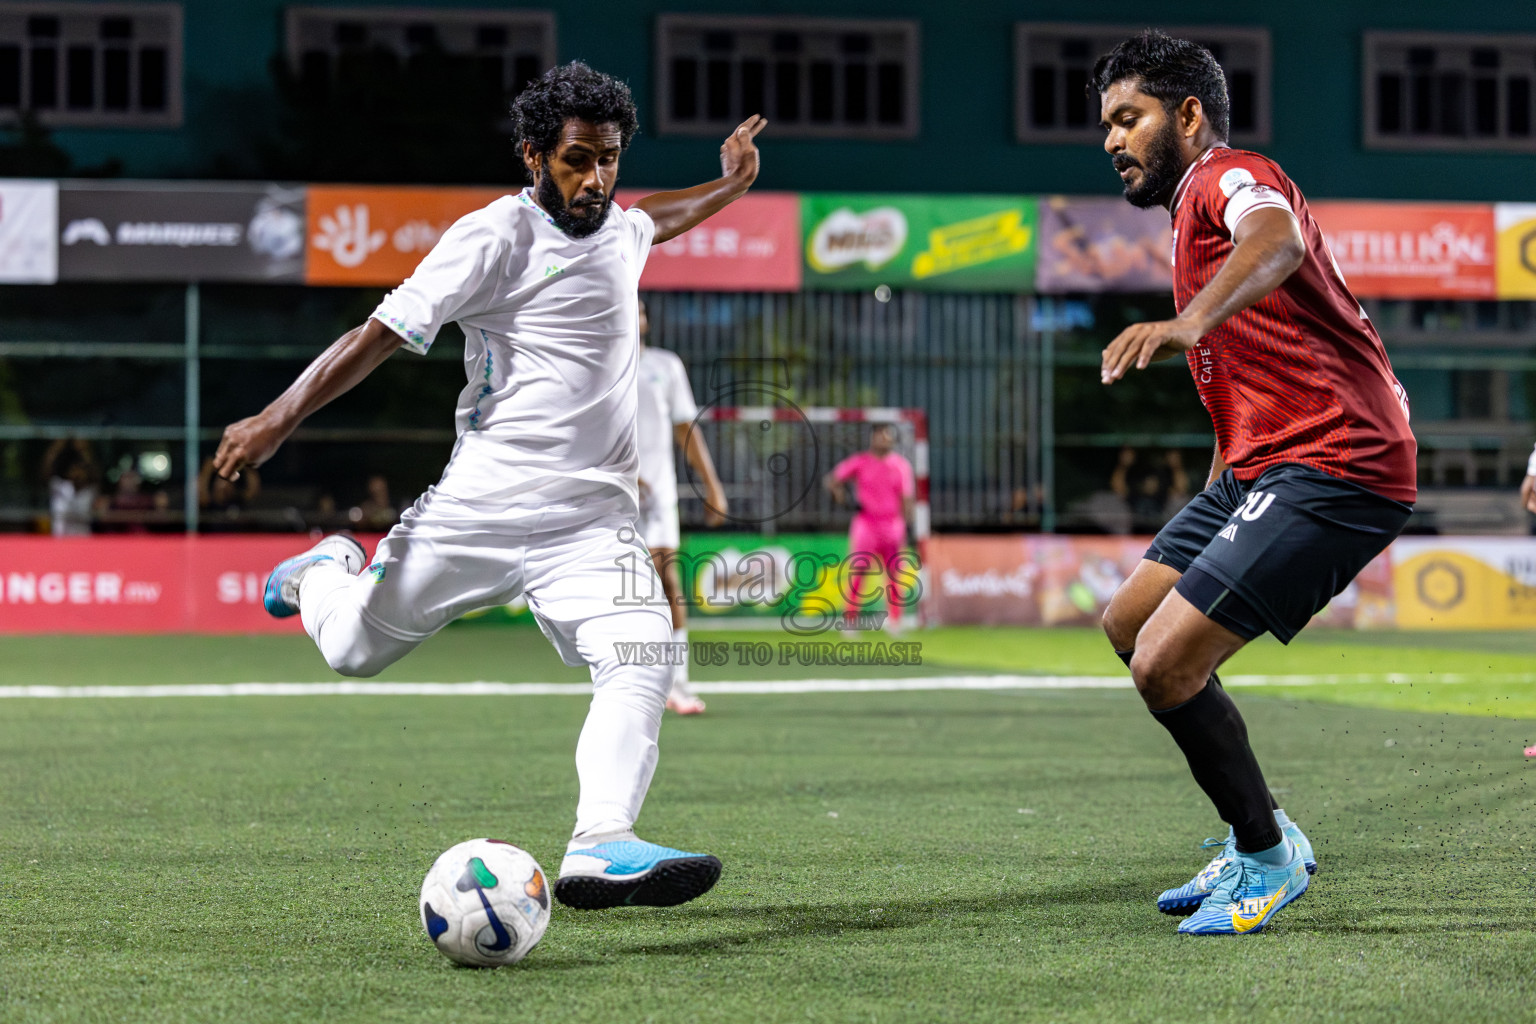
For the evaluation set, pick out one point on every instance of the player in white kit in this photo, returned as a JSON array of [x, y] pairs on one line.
[[539, 495], [667, 412]]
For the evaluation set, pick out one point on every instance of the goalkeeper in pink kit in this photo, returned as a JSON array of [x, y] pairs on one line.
[[886, 496]]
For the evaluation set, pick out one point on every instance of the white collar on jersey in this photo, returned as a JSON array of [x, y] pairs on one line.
[[1178, 193]]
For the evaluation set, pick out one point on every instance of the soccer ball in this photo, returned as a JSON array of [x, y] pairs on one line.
[[485, 903]]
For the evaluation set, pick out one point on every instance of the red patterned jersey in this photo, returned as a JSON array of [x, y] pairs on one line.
[[1300, 376]]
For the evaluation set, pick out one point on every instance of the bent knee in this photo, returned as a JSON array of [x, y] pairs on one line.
[[361, 663], [1121, 624]]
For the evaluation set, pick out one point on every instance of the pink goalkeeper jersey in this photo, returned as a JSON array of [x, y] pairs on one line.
[[881, 482]]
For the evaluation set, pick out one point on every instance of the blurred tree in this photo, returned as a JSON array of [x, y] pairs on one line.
[[369, 116], [32, 153]]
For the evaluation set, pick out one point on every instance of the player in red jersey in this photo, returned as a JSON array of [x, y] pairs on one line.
[[1314, 472]]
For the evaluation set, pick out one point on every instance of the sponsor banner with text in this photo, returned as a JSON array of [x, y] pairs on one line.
[[375, 235], [203, 232], [753, 245], [1099, 244], [921, 242], [104, 585], [1516, 225], [1412, 250], [1041, 580], [1465, 582], [367, 235], [29, 232]]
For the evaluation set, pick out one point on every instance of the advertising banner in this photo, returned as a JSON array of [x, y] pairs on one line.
[[375, 235], [1465, 582], [1041, 580], [197, 232], [1100, 244], [925, 242], [103, 585], [752, 576], [1516, 272], [1412, 250], [753, 245], [29, 232]]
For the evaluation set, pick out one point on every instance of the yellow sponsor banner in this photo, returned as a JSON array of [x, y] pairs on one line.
[[1465, 582], [1516, 264]]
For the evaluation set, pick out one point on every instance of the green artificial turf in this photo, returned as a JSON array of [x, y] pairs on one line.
[[960, 856]]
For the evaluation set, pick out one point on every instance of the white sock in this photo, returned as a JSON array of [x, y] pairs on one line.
[[332, 616], [616, 754], [680, 670]]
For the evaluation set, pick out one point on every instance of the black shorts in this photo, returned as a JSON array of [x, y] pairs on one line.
[[1267, 555]]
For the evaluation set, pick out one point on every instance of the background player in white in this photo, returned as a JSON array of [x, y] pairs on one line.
[[667, 412], [539, 495]]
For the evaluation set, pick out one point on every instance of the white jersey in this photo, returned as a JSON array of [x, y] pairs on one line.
[[551, 345], [665, 401]]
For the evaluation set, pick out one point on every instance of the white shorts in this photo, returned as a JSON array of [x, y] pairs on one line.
[[429, 571], [658, 521]]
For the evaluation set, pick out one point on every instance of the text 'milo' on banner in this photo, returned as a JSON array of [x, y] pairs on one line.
[[375, 235], [1412, 250], [29, 232], [1102, 244], [1516, 225], [204, 231], [855, 242]]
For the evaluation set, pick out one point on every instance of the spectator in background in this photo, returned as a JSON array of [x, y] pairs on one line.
[[225, 499], [1152, 488], [74, 481], [376, 513], [130, 506]]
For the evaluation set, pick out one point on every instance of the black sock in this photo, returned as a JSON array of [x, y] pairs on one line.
[[1209, 730], [1126, 656], [1274, 805]]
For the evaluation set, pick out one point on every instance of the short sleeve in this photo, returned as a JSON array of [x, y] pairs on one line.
[[642, 231], [680, 395], [846, 469], [908, 480], [1242, 187], [457, 279]]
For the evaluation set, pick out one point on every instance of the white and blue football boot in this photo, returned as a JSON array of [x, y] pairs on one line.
[[1248, 894], [1186, 899], [281, 596], [623, 871]]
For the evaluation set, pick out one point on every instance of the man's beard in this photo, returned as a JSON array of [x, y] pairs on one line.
[[1160, 172], [563, 214]]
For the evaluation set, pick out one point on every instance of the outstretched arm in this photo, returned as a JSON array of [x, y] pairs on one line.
[[1267, 249], [676, 212], [697, 454], [337, 370]]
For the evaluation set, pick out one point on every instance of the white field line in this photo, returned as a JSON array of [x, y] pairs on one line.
[[915, 683]]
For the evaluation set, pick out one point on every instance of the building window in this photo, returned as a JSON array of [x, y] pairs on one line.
[[92, 65], [1052, 64], [330, 44], [811, 77], [1447, 91]]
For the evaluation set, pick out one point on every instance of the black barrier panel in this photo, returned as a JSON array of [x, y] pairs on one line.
[[203, 232]]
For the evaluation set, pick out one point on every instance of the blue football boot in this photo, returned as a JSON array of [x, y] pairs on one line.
[[1186, 899], [281, 596], [625, 871], [1247, 895]]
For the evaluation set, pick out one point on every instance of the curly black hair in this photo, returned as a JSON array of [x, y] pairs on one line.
[[1171, 70], [571, 90]]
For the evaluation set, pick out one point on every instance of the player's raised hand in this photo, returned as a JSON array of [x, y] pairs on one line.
[[738, 155], [1141, 344], [247, 444]]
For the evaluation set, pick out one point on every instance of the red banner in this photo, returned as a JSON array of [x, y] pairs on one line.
[[752, 245], [1412, 250], [142, 584]]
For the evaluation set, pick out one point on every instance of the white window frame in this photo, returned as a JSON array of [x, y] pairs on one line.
[[1104, 38], [99, 116], [821, 30], [1455, 44], [540, 21]]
